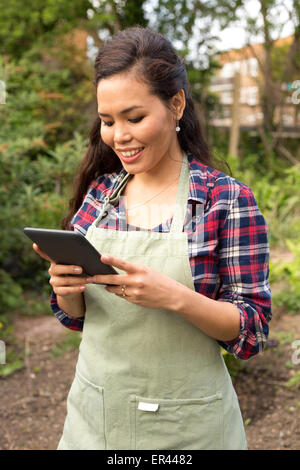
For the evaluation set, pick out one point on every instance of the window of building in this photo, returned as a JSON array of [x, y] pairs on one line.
[[243, 95], [253, 67], [227, 70], [252, 95], [226, 97]]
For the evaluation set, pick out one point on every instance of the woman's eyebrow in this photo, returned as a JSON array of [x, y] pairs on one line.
[[127, 110]]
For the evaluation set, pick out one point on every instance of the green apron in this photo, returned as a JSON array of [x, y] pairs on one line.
[[147, 378]]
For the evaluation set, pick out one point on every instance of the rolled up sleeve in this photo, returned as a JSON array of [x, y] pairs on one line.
[[244, 273], [69, 322]]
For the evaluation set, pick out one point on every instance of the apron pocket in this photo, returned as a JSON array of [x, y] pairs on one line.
[[84, 425], [163, 424]]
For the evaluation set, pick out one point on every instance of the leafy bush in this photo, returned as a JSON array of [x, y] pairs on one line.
[[277, 195], [233, 364], [287, 272], [13, 356], [48, 96], [35, 193]]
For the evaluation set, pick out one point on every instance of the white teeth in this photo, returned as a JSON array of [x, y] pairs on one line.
[[133, 152]]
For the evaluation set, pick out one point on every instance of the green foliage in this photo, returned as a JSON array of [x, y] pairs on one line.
[[22, 23], [284, 337], [13, 364], [70, 342], [47, 98], [287, 272], [13, 358], [294, 382], [277, 193], [10, 293], [34, 192], [233, 364], [49, 95], [194, 15], [132, 13]]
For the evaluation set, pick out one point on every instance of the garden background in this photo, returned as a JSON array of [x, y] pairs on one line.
[[47, 105]]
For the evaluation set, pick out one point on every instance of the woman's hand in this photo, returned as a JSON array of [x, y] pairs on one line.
[[61, 279], [143, 286]]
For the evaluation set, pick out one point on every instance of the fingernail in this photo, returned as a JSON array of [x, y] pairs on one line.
[[77, 270], [105, 257], [89, 279]]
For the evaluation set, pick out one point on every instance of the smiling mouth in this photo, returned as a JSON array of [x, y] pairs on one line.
[[132, 152]]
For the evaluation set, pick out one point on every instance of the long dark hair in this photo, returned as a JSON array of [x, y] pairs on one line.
[[157, 64]]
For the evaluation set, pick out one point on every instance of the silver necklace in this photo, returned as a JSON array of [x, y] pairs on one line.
[[152, 197]]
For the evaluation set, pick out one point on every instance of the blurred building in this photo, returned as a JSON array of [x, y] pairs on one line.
[[245, 61]]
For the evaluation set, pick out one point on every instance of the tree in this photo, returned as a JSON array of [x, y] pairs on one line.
[[194, 37], [277, 65], [195, 29], [48, 78], [23, 24]]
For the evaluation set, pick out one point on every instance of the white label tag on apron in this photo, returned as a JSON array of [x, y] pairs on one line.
[[148, 406]]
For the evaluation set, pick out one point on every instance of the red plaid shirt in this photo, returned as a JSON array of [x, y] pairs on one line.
[[228, 248]]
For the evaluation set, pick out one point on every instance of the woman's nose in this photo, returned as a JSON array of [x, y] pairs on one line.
[[121, 134]]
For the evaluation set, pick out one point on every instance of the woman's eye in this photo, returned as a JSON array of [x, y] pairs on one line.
[[136, 119]]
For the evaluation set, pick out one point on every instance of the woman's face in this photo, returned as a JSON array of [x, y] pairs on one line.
[[136, 124]]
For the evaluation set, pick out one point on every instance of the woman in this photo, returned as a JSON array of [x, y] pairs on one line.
[[190, 247]]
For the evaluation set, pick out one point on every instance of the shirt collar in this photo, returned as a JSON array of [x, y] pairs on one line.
[[199, 180]]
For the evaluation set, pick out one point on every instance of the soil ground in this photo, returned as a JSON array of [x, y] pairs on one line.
[[33, 399]]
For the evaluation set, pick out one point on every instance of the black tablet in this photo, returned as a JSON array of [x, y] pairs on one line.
[[68, 247]]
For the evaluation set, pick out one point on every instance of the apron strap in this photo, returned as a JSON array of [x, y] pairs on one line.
[[116, 194], [108, 200]]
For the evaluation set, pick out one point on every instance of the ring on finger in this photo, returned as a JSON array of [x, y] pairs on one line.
[[123, 291]]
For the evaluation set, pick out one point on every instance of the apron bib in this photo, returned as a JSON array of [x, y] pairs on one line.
[[147, 378]]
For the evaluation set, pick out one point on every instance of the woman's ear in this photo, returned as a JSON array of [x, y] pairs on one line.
[[178, 104]]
